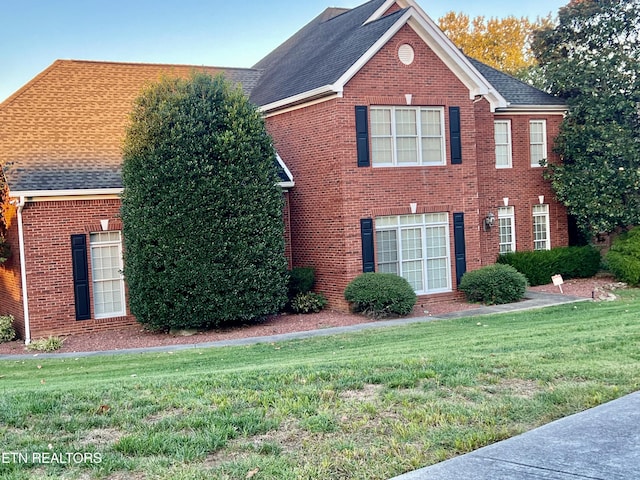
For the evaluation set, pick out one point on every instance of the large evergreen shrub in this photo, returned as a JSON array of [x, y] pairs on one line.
[[623, 257], [201, 209], [539, 265], [380, 295], [494, 285]]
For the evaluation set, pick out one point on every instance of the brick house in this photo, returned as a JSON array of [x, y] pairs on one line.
[[408, 157]]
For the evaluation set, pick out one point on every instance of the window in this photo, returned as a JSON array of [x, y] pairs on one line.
[[502, 133], [537, 141], [541, 227], [106, 268], [416, 247], [405, 136], [507, 231]]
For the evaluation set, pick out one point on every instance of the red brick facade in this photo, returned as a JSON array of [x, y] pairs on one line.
[[332, 194]]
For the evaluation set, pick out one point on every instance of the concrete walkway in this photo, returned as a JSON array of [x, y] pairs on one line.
[[532, 300], [602, 443]]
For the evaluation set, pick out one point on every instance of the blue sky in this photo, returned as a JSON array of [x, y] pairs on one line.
[[35, 33]]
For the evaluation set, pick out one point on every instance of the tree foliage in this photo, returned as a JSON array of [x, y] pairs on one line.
[[592, 58], [503, 44], [202, 212]]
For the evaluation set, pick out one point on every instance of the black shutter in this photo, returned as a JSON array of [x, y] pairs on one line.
[[362, 136], [460, 249], [366, 233], [454, 135], [80, 276]]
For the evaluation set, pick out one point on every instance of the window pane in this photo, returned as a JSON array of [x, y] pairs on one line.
[[431, 122], [381, 151], [106, 265], [406, 122], [407, 150], [380, 121], [432, 150], [411, 243], [387, 249]]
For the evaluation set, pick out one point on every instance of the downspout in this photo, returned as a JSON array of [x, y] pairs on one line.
[[23, 274]]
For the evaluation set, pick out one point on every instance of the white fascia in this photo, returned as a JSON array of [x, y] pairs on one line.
[[533, 110], [328, 91], [44, 195]]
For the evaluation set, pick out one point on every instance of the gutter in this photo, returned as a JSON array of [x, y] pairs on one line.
[[23, 274]]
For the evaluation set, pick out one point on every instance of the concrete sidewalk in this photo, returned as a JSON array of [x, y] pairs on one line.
[[532, 300], [602, 443]]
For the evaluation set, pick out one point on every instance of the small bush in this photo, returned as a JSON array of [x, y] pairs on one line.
[[50, 344], [539, 265], [380, 295], [308, 302], [494, 285], [7, 332], [301, 280], [623, 257]]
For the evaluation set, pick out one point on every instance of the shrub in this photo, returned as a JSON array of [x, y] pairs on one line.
[[301, 280], [201, 207], [623, 257], [494, 284], [308, 302], [50, 344], [539, 265], [7, 332], [380, 295]]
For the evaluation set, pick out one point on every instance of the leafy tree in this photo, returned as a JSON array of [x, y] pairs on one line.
[[592, 58], [503, 44], [201, 209]]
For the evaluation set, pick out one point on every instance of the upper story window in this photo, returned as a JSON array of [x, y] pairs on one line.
[[537, 141], [407, 136], [502, 133]]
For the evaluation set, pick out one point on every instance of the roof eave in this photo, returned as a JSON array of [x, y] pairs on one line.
[[533, 109], [318, 93]]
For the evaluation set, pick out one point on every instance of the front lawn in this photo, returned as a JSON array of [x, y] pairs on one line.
[[367, 405]]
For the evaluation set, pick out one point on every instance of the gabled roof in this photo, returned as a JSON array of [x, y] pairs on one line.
[[63, 131], [321, 57]]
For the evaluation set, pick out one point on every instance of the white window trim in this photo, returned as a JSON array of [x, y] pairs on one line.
[[507, 213], [394, 137], [509, 144], [544, 214], [545, 152], [96, 245], [399, 226]]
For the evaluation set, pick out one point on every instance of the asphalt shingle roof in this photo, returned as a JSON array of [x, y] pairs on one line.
[[513, 90], [64, 129]]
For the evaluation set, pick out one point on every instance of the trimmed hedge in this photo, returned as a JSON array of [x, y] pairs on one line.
[[7, 332], [380, 294], [623, 257], [494, 285], [540, 265]]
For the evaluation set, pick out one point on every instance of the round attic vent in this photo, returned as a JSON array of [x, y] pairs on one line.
[[406, 54]]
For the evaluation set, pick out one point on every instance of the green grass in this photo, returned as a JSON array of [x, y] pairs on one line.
[[367, 405]]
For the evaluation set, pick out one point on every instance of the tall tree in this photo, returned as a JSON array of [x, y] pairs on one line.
[[592, 58], [202, 212], [503, 44]]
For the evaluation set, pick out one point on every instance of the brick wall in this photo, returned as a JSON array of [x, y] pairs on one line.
[[332, 194], [10, 280], [48, 227]]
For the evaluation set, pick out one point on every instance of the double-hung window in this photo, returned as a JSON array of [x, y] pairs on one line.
[[537, 141], [106, 269], [416, 247], [507, 231], [541, 227], [502, 133], [405, 136]]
